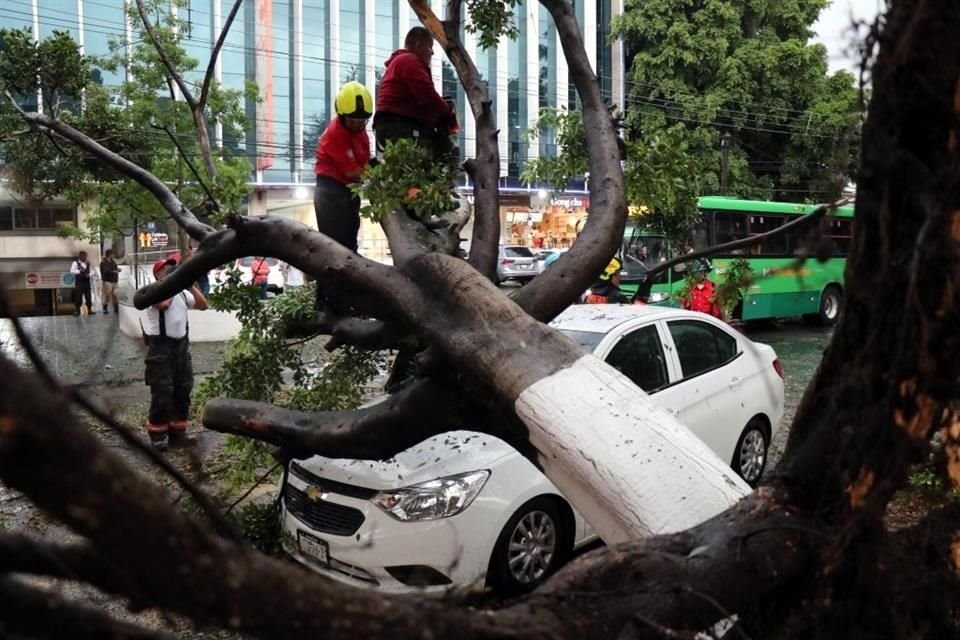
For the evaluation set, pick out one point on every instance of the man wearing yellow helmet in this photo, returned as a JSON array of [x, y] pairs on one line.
[[607, 288], [343, 153]]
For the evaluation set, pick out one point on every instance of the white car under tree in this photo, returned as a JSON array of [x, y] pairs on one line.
[[465, 507]]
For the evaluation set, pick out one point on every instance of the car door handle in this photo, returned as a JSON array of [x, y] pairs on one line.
[[734, 381]]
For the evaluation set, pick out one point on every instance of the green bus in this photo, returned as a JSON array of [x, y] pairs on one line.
[[814, 290]]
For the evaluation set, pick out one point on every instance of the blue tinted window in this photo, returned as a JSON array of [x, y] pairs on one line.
[[317, 96], [103, 31], [55, 15], [351, 54], [547, 79], [275, 76], [517, 99]]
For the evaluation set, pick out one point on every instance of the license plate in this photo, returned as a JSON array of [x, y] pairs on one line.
[[313, 547], [524, 266]]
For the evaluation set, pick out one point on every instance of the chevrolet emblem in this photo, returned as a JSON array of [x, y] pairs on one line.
[[315, 495]]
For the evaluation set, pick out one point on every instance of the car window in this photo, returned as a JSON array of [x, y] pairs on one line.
[[517, 252], [639, 356], [701, 346], [586, 339]]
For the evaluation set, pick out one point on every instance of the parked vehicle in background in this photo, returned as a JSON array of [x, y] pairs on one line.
[[546, 257], [782, 287], [464, 507], [515, 262], [244, 266]]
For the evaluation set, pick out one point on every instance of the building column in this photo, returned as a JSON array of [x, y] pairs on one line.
[[216, 29], [503, 103], [36, 37], [298, 117], [532, 10], [469, 122], [336, 52], [436, 64], [619, 70], [563, 76], [589, 27]]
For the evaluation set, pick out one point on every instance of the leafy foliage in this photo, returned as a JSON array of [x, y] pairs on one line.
[[143, 119], [491, 19], [659, 178], [260, 364], [746, 68], [729, 285], [407, 178]]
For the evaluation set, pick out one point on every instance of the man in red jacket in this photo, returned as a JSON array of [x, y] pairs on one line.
[[408, 105]]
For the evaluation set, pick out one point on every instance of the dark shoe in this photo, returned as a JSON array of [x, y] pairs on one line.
[[116, 310], [159, 441], [106, 312], [181, 440]]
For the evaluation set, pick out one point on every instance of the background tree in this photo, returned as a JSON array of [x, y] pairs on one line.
[[805, 555], [700, 70]]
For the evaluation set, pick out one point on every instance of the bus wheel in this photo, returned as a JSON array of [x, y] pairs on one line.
[[830, 305]]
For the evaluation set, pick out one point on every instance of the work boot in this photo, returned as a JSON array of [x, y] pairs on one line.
[[106, 312], [159, 440], [181, 440]]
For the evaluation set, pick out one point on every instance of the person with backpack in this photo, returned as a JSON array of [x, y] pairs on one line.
[[168, 364]]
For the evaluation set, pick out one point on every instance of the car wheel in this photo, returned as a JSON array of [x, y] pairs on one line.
[[830, 305], [530, 548], [750, 456]]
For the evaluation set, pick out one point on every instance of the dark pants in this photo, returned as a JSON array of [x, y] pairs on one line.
[[338, 217], [81, 292], [169, 374], [390, 128]]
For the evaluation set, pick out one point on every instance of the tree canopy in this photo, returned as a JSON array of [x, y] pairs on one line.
[[699, 70]]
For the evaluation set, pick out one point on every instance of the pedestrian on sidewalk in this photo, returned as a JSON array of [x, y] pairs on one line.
[[82, 272], [168, 365], [260, 269], [110, 274]]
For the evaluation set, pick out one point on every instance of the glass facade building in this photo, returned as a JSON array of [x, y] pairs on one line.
[[299, 51]]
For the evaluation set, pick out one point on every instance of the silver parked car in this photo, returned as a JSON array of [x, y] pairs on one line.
[[515, 262]]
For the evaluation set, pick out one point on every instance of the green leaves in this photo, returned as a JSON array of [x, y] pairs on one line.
[[491, 19], [658, 174], [54, 66], [407, 177], [747, 68]]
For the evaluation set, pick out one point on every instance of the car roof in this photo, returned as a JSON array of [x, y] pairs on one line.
[[601, 318]]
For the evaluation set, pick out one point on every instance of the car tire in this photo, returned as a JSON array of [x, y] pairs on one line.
[[532, 545], [750, 456], [830, 301]]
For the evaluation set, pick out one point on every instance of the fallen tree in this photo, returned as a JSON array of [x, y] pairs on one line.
[[804, 555]]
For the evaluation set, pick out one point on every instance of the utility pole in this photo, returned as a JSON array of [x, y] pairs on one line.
[[725, 139]]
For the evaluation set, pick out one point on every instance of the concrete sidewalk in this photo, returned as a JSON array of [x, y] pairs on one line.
[[91, 350]]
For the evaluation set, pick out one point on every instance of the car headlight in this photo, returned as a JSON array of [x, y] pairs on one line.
[[432, 500], [659, 297]]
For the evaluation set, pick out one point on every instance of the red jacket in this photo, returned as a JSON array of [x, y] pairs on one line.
[[702, 299], [342, 154], [407, 90]]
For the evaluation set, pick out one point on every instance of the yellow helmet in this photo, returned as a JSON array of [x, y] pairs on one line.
[[612, 268], [354, 101]]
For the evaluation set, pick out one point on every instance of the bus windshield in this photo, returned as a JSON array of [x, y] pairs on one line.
[[642, 252]]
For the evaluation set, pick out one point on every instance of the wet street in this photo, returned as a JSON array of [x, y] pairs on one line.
[[800, 349]]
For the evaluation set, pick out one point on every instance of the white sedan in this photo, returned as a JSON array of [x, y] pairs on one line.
[[464, 508]]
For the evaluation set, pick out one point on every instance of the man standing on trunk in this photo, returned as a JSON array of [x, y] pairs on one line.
[[82, 274], [110, 274], [408, 105]]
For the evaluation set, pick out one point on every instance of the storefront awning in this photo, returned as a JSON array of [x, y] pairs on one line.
[[24, 265]]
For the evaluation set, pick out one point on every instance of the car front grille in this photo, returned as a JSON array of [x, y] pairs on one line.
[[327, 517], [331, 486]]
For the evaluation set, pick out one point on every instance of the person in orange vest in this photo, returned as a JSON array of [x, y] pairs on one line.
[[703, 296], [607, 288]]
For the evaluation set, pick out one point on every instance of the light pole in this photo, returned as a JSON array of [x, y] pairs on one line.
[[725, 139]]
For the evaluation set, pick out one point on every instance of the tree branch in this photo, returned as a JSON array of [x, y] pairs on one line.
[[193, 169], [164, 58], [485, 169], [553, 290], [74, 561], [212, 65], [29, 612], [167, 199], [377, 432]]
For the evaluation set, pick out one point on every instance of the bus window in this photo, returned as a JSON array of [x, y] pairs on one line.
[[643, 252], [729, 226], [841, 232], [776, 246]]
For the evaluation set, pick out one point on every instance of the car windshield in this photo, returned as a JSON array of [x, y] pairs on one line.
[[517, 252], [247, 262], [586, 339]]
